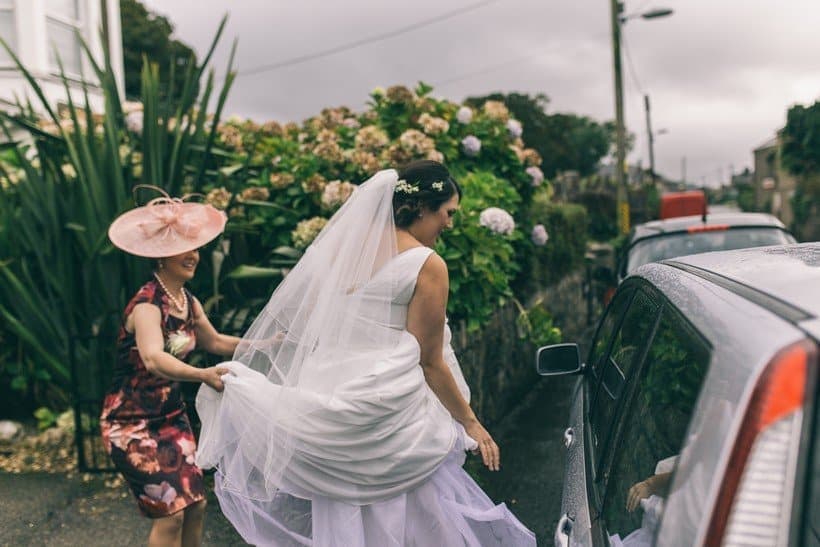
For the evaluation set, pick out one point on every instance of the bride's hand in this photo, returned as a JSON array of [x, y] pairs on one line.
[[490, 452]]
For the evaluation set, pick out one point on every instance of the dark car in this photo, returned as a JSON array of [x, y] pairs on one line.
[[695, 419], [661, 239]]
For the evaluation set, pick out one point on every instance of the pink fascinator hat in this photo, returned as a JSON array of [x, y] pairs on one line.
[[166, 226]]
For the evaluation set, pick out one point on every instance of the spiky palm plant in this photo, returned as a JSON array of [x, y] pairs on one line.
[[62, 283]]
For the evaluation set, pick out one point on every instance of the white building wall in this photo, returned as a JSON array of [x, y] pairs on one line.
[[34, 48]]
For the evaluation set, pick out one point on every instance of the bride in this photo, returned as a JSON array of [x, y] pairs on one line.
[[345, 415]]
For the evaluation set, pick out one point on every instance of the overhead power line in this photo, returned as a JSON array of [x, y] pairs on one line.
[[502, 65], [631, 65], [369, 40], [486, 70]]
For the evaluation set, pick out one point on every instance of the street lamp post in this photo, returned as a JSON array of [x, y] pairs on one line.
[[650, 138], [620, 130], [616, 7]]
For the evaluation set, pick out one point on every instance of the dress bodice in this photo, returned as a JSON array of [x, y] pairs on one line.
[[136, 393], [395, 282]]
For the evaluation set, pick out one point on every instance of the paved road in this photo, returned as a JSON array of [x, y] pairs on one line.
[[533, 457], [61, 510], [58, 511]]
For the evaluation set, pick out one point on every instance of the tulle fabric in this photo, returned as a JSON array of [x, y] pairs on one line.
[[326, 432], [448, 509], [326, 397]]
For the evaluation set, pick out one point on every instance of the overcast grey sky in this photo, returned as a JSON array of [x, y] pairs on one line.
[[720, 73]]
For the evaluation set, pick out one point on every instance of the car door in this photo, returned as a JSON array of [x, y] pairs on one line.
[[648, 430], [618, 344], [613, 376]]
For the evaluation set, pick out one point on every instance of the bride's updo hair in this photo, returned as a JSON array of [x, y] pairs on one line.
[[422, 184]]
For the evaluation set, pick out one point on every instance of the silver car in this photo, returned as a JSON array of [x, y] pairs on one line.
[[695, 419], [673, 237]]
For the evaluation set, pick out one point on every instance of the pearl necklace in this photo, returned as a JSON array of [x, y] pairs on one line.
[[181, 307]]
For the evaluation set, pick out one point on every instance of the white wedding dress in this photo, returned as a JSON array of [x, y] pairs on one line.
[[364, 454]]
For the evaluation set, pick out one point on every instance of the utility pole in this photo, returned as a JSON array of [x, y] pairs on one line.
[[650, 139], [620, 132], [683, 171]]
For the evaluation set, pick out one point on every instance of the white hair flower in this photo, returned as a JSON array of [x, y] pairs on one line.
[[438, 186], [406, 188], [497, 220]]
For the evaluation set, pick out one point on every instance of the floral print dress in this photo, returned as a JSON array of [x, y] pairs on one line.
[[144, 425]]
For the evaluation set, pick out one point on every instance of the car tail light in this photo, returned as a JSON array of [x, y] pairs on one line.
[[707, 228], [754, 501]]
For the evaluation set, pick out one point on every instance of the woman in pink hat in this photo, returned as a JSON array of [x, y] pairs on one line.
[[144, 424]]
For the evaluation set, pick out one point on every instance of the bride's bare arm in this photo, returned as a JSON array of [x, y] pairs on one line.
[[425, 320]]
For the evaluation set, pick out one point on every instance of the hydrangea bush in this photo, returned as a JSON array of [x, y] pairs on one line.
[[280, 182]]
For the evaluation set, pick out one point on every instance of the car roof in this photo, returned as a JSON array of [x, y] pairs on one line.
[[680, 224], [789, 273]]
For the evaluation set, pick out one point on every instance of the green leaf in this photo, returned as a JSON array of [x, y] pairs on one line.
[[19, 383], [289, 252], [254, 272], [229, 170]]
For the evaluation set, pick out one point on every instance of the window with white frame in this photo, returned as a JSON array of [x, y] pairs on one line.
[[8, 31], [63, 23]]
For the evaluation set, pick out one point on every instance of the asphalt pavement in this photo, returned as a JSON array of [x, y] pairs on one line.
[[71, 509]]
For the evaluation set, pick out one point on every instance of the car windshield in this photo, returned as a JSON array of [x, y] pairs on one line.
[[679, 244]]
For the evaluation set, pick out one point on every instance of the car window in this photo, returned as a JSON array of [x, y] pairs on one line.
[[627, 348], [600, 346], [654, 425], [680, 244]]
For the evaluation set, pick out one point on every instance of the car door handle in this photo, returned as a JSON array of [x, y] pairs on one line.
[[569, 434], [563, 530]]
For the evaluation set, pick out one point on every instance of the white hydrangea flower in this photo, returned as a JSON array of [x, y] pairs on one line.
[[306, 231], [131, 106], [352, 123], [536, 175], [539, 235], [471, 145], [134, 121], [464, 115], [68, 170], [336, 193], [514, 128], [497, 220]]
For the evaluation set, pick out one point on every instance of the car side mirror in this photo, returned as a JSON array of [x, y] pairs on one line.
[[558, 360]]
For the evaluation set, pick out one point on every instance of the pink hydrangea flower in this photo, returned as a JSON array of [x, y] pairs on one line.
[[497, 220], [536, 175], [514, 128], [539, 235], [471, 145], [464, 115]]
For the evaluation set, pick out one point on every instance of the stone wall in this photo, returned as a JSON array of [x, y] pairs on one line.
[[499, 364]]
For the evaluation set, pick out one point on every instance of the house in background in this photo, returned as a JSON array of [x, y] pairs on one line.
[[38, 30], [774, 186]]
